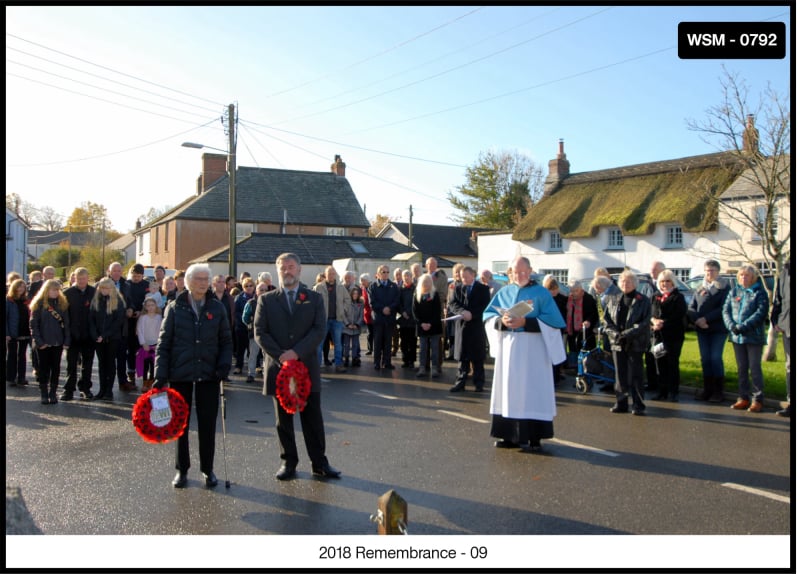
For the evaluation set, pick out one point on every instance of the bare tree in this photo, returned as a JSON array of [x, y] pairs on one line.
[[50, 219], [757, 136], [24, 210]]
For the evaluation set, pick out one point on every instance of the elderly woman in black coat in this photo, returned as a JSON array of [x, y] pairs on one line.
[[668, 325], [627, 323]]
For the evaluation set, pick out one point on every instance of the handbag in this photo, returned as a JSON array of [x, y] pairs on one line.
[[659, 350]]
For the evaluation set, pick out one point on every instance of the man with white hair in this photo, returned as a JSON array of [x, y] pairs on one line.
[[487, 278]]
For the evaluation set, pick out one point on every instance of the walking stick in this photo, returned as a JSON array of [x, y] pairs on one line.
[[224, 452]]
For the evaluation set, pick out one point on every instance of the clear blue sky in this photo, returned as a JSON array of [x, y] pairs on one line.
[[100, 99]]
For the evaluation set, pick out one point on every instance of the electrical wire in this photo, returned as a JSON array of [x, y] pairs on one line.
[[39, 164]]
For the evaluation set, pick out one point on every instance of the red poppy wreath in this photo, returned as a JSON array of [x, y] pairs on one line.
[[160, 415], [292, 386]]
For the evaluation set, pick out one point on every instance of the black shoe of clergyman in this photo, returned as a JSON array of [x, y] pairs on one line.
[[326, 471], [180, 480], [286, 472], [505, 444], [211, 480]]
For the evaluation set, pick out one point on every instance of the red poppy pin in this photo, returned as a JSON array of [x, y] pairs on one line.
[[209, 316], [302, 296], [738, 299]]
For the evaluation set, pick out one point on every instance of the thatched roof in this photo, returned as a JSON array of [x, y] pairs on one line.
[[634, 198]]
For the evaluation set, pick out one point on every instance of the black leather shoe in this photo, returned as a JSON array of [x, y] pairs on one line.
[[786, 413], [458, 387], [479, 389], [638, 412], [87, 395], [505, 444], [180, 480], [211, 479], [619, 408], [326, 471], [286, 472], [389, 367], [66, 396]]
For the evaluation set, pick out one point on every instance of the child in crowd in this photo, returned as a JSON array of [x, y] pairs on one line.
[[351, 334], [148, 326], [155, 294], [427, 311]]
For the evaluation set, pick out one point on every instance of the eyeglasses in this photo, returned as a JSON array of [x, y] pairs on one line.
[[384, 272]]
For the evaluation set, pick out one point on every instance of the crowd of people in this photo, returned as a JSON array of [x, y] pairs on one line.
[[148, 331]]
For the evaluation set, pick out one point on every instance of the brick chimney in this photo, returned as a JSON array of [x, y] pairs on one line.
[[750, 136], [215, 166], [338, 165], [558, 170]]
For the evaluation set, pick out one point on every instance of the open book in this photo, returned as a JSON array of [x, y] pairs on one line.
[[518, 310]]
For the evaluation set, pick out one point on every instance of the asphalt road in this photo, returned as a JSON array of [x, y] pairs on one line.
[[687, 468]]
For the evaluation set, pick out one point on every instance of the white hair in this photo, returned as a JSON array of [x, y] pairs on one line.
[[195, 268]]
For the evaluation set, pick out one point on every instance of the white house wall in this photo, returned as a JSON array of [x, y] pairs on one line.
[[582, 256]]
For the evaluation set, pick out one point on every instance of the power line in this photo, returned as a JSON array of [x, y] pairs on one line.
[[118, 151], [104, 89], [513, 92], [97, 98], [367, 59], [447, 71], [359, 147], [422, 65], [265, 148], [113, 70], [353, 168], [102, 78]]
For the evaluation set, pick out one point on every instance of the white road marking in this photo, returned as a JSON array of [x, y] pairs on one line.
[[584, 447], [391, 398], [757, 491], [459, 415]]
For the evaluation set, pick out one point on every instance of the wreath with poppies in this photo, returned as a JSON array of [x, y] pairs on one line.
[[292, 386], [157, 425]]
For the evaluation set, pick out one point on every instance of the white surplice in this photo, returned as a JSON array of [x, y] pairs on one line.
[[522, 387]]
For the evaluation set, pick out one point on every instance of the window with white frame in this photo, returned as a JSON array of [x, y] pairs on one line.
[[499, 266], [334, 231], [140, 244], [767, 267], [555, 241], [682, 273], [674, 236], [244, 229], [615, 239], [560, 275], [760, 219]]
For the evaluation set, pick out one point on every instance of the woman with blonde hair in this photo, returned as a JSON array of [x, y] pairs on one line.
[[426, 309], [106, 320], [50, 332]]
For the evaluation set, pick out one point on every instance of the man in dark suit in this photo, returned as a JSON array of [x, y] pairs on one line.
[[469, 300], [384, 297], [290, 324]]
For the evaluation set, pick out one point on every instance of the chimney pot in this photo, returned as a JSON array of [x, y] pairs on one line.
[[558, 170], [338, 166]]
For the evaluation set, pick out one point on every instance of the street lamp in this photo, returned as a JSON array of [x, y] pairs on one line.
[[231, 189]]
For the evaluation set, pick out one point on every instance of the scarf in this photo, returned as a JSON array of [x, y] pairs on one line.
[[574, 315]]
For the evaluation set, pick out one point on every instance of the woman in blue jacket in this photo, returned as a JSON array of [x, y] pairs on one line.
[[745, 314]]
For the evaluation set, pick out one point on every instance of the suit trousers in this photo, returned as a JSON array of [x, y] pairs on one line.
[[383, 343], [313, 432], [206, 404], [80, 352], [107, 353]]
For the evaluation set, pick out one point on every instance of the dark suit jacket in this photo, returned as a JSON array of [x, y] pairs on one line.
[[470, 337], [302, 330]]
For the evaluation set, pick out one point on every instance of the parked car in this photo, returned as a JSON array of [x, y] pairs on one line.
[[730, 279]]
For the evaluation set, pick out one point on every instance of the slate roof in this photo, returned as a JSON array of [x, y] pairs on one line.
[[41, 237], [635, 198], [312, 249], [262, 194], [440, 239], [771, 170]]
